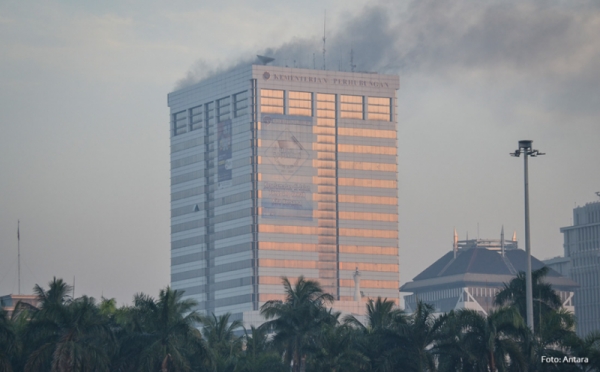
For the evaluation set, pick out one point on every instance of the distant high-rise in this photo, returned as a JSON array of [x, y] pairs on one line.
[[283, 172], [582, 246]]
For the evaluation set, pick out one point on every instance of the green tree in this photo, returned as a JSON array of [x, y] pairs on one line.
[[553, 339], [451, 346], [68, 336], [490, 340], [377, 339], [588, 347], [336, 350], [8, 342], [545, 299], [259, 354], [160, 334], [381, 314], [416, 338], [222, 342], [298, 319]]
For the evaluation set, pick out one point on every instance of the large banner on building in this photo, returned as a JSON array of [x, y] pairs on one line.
[[224, 153], [287, 199], [286, 168]]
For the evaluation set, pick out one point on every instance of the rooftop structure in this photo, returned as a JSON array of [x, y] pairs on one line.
[[470, 277]]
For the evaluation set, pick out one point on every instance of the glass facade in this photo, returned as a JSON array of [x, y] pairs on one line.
[[272, 179]]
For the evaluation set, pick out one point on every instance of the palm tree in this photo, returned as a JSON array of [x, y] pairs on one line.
[[394, 341], [415, 339], [451, 348], [555, 338], [297, 320], [7, 342], [491, 340], [259, 354], [372, 339], [55, 298], [381, 314], [221, 339], [545, 299], [160, 334], [68, 337], [588, 347], [337, 351]]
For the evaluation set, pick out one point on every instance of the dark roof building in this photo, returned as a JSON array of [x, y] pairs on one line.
[[472, 274]]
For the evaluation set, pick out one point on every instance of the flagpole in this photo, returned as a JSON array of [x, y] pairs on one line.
[[19, 253]]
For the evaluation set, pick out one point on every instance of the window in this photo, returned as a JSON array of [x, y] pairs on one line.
[[271, 101], [379, 108], [300, 103], [196, 118], [180, 123], [210, 113], [223, 109], [351, 107], [326, 109], [240, 104]]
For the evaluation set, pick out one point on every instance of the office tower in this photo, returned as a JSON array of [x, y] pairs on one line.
[[283, 172], [582, 247]]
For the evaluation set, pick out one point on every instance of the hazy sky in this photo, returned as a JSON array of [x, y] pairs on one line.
[[84, 143]]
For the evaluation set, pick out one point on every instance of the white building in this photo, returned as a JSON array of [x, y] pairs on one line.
[[582, 247], [283, 172]]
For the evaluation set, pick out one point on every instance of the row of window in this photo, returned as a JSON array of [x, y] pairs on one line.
[[344, 198], [311, 230], [304, 264], [300, 103], [210, 113], [275, 280]]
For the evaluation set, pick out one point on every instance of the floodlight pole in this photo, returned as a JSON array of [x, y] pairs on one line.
[[525, 148]]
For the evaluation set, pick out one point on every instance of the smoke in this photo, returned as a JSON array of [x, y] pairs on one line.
[[550, 41]]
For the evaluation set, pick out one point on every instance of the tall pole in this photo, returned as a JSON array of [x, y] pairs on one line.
[[525, 148], [19, 254], [528, 280]]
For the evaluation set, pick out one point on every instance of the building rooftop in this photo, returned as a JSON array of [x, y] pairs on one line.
[[481, 266]]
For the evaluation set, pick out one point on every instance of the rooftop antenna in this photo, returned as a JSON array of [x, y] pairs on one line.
[[324, 39], [455, 246], [264, 59], [19, 254], [314, 61], [502, 241], [352, 65]]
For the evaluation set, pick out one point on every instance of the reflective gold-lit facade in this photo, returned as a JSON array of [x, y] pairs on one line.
[[284, 172]]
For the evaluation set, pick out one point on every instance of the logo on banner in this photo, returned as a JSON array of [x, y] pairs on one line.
[[287, 154]]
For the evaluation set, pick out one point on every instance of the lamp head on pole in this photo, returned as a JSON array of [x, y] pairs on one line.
[[525, 144], [525, 148]]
